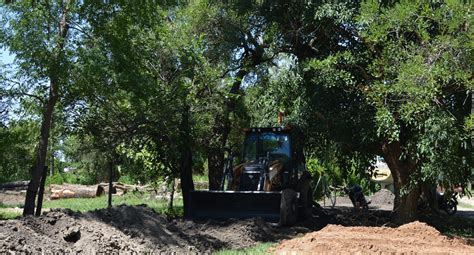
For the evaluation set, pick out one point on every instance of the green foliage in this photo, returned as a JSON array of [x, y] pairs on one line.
[[360, 79], [281, 93], [16, 150], [55, 179], [126, 179], [422, 69], [76, 177]]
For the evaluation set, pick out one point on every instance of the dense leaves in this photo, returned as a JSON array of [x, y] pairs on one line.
[[162, 86]]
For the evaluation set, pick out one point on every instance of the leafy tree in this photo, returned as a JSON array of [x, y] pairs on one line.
[[38, 34], [143, 69], [420, 74], [17, 139], [380, 79]]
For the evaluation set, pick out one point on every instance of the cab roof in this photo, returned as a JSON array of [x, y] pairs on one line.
[[267, 129]]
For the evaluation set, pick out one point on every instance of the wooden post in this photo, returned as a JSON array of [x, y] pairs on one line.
[[39, 203]]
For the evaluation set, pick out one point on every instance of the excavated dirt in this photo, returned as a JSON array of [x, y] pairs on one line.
[[383, 199], [131, 229], [138, 229], [412, 238]]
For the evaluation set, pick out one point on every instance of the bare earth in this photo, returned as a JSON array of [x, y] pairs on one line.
[[412, 238], [132, 229], [129, 229]]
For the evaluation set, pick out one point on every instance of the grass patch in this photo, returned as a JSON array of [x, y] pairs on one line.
[[465, 205], [2, 205], [89, 204], [7, 214], [261, 248], [201, 178]]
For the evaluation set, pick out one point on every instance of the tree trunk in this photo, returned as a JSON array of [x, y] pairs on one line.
[[41, 153], [428, 191], [39, 204], [406, 196], [215, 162], [186, 158], [170, 204], [111, 172], [47, 115], [215, 155]]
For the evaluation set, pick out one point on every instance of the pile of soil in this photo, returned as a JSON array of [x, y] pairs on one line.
[[382, 197], [131, 229], [412, 238]]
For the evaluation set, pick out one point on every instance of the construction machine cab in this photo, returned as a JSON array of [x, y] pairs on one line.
[[271, 161], [270, 182]]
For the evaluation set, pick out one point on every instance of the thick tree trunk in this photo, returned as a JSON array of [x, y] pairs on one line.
[[428, 191], [47, 114], [406, 196], [41, 153], [186, 159]]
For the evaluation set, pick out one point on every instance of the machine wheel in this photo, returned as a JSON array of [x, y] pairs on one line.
[[306, 200], [451, 207], [288, 207]]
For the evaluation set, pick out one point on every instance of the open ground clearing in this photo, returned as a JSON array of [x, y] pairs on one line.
[[139, 228]]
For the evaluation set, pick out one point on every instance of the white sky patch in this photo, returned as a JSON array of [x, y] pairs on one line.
[[6, 57]]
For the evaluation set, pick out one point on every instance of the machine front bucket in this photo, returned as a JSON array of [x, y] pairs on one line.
[[221, 205]]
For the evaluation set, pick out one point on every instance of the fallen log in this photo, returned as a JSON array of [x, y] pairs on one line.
[[19, 185], [72, 191], [119, 188]]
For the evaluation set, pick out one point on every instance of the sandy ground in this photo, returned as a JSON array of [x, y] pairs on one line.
[[412, 238]]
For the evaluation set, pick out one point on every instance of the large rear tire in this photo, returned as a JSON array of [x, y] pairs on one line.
[[288, 208], [306, 200]]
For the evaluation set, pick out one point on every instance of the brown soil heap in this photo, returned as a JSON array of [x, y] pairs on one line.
[[130, 229], [412, 238]]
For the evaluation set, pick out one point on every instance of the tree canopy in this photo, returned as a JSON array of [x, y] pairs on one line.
[[161, 88]]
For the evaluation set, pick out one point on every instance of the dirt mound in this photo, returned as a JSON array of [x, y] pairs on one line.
[[382, 197], [412, 238], [128, 229]]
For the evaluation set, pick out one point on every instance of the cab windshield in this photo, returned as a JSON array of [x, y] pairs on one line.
[[258, 145]]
